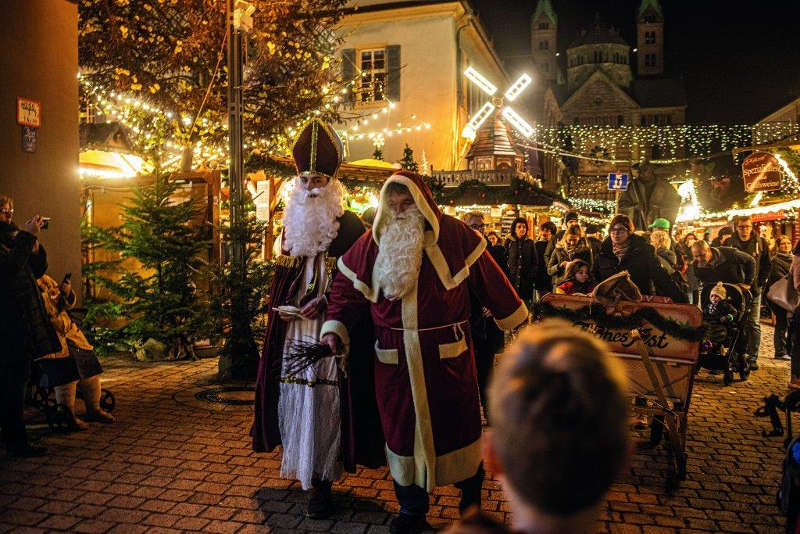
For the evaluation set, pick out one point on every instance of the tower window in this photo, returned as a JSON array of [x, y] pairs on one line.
[[546, 67], [650, 60], [544, 26], [650, 37], [544, 45]]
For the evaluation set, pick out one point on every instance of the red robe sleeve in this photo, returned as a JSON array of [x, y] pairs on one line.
[[493, 290]]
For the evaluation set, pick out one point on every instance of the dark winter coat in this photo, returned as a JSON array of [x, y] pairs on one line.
[[521, 265], [500, 255], [668, 260], [758, 248], [543, 281], [728, 265], [780, 266], [583, 251], [641, 263], [25, 327]]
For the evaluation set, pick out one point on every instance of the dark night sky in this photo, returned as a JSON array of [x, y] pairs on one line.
[[740, 61]]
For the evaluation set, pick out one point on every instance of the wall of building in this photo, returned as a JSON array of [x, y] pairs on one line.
[[40, 61], [615, 62], [427, 86]]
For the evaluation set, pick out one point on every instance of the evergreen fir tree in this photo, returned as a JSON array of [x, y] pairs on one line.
[[378, 154], [160, 300], [408, 162], [425, 169]]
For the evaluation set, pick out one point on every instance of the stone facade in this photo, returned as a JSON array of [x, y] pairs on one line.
[[603, 89]]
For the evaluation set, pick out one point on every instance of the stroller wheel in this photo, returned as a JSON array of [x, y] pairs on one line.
[[727, 379]]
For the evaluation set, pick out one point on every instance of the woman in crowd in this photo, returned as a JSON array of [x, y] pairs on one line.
[[667, 257], [521, 260], [572, 246], [58, 298], [781, 263], [623, 250], [497, 250]]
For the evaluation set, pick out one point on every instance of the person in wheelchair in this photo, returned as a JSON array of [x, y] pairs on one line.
[[719, 316], [76, 362]]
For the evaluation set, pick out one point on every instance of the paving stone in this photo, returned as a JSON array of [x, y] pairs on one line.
[[171, 463]]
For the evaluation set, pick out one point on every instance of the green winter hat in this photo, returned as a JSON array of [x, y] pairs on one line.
[[660, 224]]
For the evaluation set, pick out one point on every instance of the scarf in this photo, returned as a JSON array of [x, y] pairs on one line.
[[570, 249], [620, 250]]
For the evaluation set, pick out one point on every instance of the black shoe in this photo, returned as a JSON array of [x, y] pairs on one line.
[[28, 451], [320, 504], [753, 365], [408, 524]]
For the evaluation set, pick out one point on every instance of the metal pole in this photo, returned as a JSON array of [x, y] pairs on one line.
[[235, 175]]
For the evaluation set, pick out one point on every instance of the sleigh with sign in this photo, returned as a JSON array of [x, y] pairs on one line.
[[658, 345]]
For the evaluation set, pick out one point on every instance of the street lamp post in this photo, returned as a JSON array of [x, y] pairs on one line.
[[241, 348]]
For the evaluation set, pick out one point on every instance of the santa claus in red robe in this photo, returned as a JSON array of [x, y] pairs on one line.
[[413, 274]]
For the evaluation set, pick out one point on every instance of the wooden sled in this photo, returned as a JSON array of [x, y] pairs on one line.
[[660, 368]]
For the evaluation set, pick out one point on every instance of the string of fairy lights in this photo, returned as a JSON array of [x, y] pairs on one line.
[[126, 109]]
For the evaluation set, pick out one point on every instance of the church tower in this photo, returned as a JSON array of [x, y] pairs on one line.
[[544, 24], [650, 39]]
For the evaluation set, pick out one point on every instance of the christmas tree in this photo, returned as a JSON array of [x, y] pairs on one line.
[[378, 154], [408, 162], [157, 295]]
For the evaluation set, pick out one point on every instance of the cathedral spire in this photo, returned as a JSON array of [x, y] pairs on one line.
[[647, 4], [544, 7]]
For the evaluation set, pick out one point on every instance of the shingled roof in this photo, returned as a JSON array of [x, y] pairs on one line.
[[492, 139]]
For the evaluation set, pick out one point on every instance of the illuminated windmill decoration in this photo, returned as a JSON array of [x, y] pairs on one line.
[[497, 103]]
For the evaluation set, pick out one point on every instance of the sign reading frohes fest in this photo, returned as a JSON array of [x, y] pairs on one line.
[[660, 343], [29, 112], [761, 172]]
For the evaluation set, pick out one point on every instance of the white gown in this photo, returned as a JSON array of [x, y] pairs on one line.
[[308, 407]]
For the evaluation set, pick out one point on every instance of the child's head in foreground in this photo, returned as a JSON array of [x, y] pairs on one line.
[[559, 407]]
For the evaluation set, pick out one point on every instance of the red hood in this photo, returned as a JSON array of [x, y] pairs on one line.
[[422, 196]]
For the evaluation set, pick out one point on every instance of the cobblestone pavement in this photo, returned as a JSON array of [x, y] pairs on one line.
[[175, 463]]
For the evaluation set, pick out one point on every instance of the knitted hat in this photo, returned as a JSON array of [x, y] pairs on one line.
[[719, 290], [571, 216]]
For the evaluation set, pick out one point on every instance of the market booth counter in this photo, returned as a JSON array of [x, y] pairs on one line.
[[658, 346]]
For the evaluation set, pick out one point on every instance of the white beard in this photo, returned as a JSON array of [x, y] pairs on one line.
[[400, 253], [310, 218]]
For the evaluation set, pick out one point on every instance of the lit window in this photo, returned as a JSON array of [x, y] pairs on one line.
[[372, 65]]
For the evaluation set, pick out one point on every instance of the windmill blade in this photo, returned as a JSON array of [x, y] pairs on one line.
[[517, 87], [478, 79], [517, 122], [478, 119]]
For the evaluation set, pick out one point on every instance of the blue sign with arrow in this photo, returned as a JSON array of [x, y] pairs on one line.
[[617, 181]]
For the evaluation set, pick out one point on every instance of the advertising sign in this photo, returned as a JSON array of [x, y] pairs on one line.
[[761, 172], [29, 112]]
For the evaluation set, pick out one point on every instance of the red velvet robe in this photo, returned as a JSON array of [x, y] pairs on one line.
[[425, 376]]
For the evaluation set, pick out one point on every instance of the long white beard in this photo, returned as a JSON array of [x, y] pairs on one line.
[[400, 253], [310, 218]]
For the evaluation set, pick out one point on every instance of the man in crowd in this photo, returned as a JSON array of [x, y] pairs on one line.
[[722, 264], [414, 274], [648, 197], [560, 434], [749, 242], [301, 410], [487, 338], [25, 329]]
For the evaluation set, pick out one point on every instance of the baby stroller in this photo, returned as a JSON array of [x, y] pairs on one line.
[[727, 351]]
